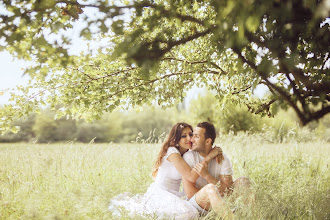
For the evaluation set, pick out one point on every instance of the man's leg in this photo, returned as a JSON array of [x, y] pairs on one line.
[[242, 187], [242, 182], [209, 197]]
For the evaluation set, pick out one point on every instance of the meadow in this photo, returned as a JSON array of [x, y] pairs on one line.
[[77, 181]]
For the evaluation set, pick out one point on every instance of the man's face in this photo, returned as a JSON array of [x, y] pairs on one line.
[[198, 140]]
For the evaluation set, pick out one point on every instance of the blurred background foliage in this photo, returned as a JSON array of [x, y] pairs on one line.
[[153, 123]]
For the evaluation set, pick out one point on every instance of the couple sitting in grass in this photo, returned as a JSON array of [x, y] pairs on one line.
[[187, 155]]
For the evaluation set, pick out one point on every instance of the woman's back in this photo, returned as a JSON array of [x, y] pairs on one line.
[[168, 177]]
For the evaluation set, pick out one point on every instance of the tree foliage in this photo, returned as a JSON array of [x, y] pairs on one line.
[[231, 118], [157, 50]]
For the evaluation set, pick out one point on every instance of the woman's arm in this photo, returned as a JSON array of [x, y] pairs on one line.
[[183, 168], [215, 152]]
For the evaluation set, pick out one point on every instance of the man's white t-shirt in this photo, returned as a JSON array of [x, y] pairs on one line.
[[192, 158]]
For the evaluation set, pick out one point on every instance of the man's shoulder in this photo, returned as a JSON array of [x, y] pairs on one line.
[[226, 158], [191, 158], [189, 154], [224, 168], [226, 161]]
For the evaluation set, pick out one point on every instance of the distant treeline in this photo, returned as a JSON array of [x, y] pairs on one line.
[[152, 124], [118, 126]]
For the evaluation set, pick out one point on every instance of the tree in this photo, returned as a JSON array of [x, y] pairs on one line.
[[44, 128], [230, 118], [25, 133], [159, 49], [149, 124], [205, 108]]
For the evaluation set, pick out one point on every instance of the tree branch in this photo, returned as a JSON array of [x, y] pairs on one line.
[[187, 39], [149, 82], [242, 90], [325, 60], [319, 114], [269, 84], [139, 5], [261, 108], [296, 72], [197, 62], [296, 92], [169, 13]]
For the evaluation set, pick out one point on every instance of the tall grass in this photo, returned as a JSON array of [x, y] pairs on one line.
[[77, 181]]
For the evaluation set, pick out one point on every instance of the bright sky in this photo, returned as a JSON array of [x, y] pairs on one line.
[[11, 73], [11, 70]]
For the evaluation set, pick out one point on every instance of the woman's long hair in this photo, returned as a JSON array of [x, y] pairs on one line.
[[172, 140]]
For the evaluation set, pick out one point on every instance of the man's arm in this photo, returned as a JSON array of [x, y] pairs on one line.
[[226, 176], [189, 188], [225, 186], [226, 181]]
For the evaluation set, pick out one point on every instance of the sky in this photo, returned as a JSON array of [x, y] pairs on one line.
[[11, 74]]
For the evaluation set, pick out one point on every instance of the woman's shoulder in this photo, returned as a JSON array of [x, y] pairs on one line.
[[172, 150]]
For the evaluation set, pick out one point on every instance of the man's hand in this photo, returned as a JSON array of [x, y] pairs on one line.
[[202, 169]]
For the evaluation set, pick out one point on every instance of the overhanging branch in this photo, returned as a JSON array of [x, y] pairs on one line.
[[197, 62], [269, 84], [296, 72], [262, 107]]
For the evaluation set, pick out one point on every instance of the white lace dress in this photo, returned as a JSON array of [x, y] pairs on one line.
[[163, 199]]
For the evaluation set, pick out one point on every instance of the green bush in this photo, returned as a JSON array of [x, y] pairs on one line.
[[238, 118], [44, 127], [26, 133]]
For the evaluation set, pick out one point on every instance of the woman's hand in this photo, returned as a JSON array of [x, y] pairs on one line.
[[219, 157], [216, 153]]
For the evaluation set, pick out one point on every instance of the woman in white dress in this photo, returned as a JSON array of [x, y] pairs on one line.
[[163, 198]]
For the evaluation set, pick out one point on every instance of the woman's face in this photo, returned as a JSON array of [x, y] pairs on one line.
[[185, 141]]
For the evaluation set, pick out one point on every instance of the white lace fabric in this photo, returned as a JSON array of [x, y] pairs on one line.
[[162, 199]]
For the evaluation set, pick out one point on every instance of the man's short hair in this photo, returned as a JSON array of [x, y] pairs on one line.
[[209, 130]]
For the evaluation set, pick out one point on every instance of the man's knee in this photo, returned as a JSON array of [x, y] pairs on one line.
[[242, 182], [205, 192], [210, 188], [242, 187]]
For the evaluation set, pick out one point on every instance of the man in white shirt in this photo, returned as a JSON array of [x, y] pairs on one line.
[[215, 179]]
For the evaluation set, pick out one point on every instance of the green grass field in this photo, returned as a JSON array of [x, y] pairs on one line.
[[76, 181]]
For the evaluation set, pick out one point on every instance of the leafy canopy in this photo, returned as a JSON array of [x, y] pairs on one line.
[[159, 49]]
